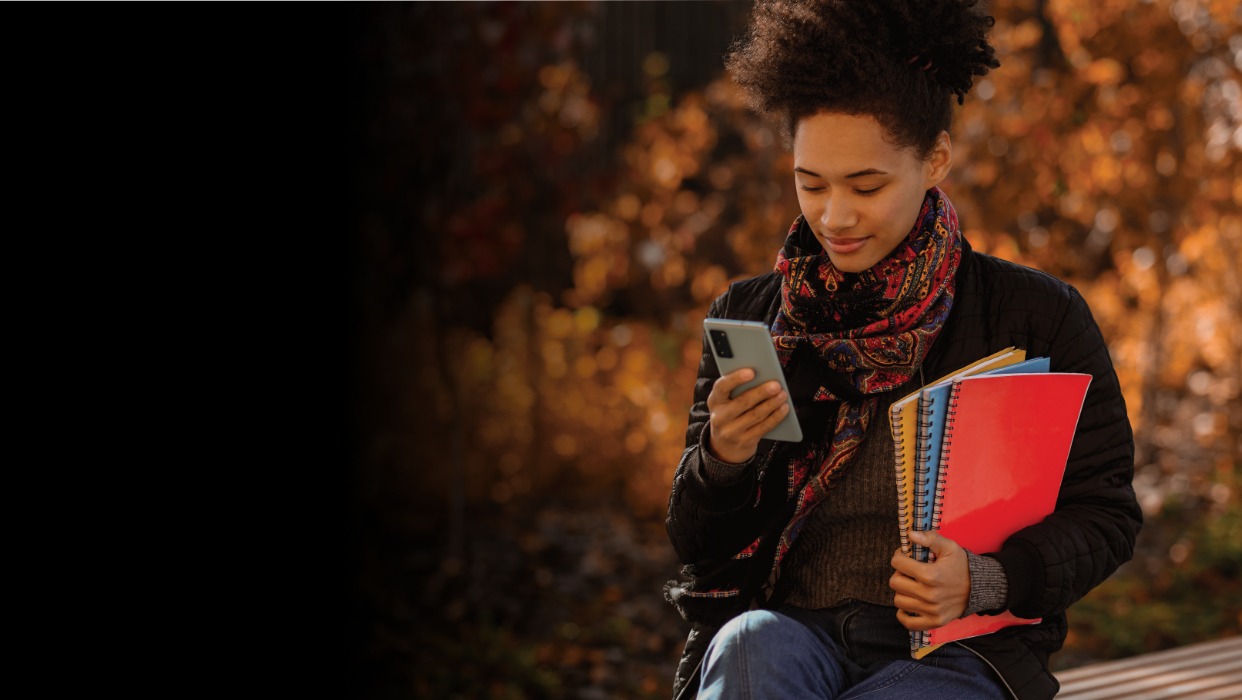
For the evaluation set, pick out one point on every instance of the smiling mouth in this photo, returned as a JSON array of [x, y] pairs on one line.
[[845, 245]]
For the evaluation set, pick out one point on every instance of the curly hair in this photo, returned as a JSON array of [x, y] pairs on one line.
[[900, 61]]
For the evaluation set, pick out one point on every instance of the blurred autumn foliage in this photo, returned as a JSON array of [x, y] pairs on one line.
[[545, 214]]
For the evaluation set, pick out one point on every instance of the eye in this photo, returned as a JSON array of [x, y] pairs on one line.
[[808, 188], [871, 191]]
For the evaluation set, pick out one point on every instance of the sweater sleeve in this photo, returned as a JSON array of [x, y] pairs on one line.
[[988, 587], [718, 473], [1051, 564]]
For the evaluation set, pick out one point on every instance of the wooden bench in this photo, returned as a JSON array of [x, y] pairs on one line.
[[1205, 670]]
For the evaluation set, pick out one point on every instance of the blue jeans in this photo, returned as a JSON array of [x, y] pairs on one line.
[[853, 650]]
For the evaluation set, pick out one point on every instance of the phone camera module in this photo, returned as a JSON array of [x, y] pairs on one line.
[[721, 340]]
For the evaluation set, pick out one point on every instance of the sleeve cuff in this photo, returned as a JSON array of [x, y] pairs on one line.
[[718, 473], [989, 587]]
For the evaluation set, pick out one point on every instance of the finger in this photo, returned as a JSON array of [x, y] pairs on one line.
[[907, 565], [908, 588], [751, 407], [933, 613], [933, 540], [773, 399], [754, 424], [926, 573], [772, 416], [924, 602], [745, 429], [914, 607], [727, 383], [751, 402], [723, 409], [917, 623], [925, 619]]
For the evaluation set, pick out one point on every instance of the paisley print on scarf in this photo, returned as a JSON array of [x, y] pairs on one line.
[[870, 329]]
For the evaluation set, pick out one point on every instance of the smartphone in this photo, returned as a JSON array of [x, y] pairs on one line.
[[739, 344]]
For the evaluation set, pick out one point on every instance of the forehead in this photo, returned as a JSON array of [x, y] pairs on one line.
[[829, 143]]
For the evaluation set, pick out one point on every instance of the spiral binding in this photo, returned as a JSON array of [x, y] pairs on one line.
[[921, 488], [919, 502], [941, 481], [903, 514], [925, 638]]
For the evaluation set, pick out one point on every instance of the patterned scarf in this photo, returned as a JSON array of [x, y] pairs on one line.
[[864, 333]]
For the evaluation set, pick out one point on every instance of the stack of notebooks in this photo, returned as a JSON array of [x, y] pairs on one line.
[[980, 454]]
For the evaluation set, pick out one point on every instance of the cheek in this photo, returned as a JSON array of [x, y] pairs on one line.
[[900, 217], [806, 204], [902, 213]]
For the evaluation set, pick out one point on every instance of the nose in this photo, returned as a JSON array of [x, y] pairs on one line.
[[838, 215]]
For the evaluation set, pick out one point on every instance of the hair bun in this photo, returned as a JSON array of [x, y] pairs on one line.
[[948, 40], [901, 61]]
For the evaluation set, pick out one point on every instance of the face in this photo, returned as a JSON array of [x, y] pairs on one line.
[[859, 194]]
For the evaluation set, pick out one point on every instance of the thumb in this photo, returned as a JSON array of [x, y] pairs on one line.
[[934, 541]]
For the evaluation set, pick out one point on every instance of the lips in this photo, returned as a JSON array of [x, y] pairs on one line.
[[843, 246]]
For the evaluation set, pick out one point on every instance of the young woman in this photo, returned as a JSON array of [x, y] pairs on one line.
[[795, 585]]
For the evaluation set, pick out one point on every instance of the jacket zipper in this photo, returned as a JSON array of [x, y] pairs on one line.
[[991, 666]]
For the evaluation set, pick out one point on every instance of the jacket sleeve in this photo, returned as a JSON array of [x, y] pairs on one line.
[[713, 508], [1097, 518]]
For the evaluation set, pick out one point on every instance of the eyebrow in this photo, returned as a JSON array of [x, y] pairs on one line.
[[860, 173]]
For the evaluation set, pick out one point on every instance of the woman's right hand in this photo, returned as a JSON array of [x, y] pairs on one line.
[[737, 424]]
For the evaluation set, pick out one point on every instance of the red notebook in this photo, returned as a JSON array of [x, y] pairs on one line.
[[1006, 442]]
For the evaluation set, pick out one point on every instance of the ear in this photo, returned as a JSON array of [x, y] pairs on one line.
[[940, 162]]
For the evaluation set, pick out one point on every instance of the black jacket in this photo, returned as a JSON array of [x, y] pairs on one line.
[[1048, 565]]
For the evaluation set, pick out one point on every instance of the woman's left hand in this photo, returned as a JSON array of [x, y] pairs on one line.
[[930, 594]]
